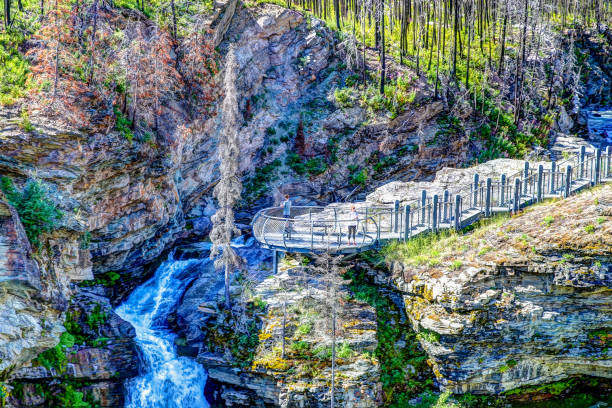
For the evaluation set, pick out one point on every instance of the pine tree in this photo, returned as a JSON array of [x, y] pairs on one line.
[[228, 189]]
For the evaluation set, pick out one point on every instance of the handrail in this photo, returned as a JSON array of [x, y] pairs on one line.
[[453, 209]]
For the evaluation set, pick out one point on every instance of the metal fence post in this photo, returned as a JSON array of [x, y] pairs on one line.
[[553, 170], [568, 180], [517, 195], [395, 229], [581, 161], [525, 177], [597, 166], [488, 198], [475, 196], [275, 261], [539, 185], [445, 197], [423, 203], [608, 161], [407, 223], [502, 190], [457, 220], [434, 221]]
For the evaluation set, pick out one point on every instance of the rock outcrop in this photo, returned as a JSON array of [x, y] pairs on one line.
[[103, 357], [520, 302], [244, 375], [32, 302]]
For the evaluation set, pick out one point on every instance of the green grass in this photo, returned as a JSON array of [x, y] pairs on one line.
[[431, 248], [548, 220]]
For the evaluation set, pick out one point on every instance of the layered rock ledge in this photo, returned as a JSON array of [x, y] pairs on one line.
[[522, 301]]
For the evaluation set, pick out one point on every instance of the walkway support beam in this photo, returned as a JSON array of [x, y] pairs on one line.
[[525, 177], [475, 187], [502, 190], [608, 170], [407, 228], [553, 170], [539, 193], [597, 178], [434, 221], [445, 198], [396, 211], [457, 217], [516, 201], [581, 161], [423, 204], [568, 180], [488, 198]]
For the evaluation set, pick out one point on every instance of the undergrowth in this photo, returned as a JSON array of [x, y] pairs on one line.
[[37, 213]]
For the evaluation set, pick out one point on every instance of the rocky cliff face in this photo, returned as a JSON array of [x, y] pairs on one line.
[[33, 300], [523, 301], [255, 373], [103, 357]]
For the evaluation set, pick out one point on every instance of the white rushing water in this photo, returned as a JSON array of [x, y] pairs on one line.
[[167, 380]]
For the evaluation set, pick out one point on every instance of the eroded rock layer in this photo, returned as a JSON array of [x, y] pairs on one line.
[[523, 301]]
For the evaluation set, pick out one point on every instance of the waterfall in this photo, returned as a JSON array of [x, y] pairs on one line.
[[167, 380]]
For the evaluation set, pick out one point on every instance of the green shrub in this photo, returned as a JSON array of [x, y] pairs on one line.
[[509, 364], [323, 353], [304, 328], [123, 125], [71, 398], [316, 166], [25, 123], [257, 185], [96, 318], [429, 336], [589, 229], [4, 393], [259, 303], [294, 161], [14, 68], [548, 220], [56, 357], [343, 97], [301, 349], [270, 131], [344, 351], [359, 178], [38, 214]]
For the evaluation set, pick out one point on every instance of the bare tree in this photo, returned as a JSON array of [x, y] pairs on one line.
[[228, 189], [328, 269]]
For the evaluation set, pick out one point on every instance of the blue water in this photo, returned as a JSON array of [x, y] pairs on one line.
[[167, 380]]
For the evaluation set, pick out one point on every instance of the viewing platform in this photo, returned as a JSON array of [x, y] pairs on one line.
[[325, 229]]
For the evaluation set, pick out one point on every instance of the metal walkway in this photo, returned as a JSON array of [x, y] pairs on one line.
[[325, 229]]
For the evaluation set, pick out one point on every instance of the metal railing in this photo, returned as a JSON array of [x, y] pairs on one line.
[[318, 229]]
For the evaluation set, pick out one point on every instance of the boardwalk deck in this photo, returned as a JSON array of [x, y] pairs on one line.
[[325, 229]]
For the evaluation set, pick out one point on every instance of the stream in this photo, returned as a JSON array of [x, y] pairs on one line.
[[167, 380]]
